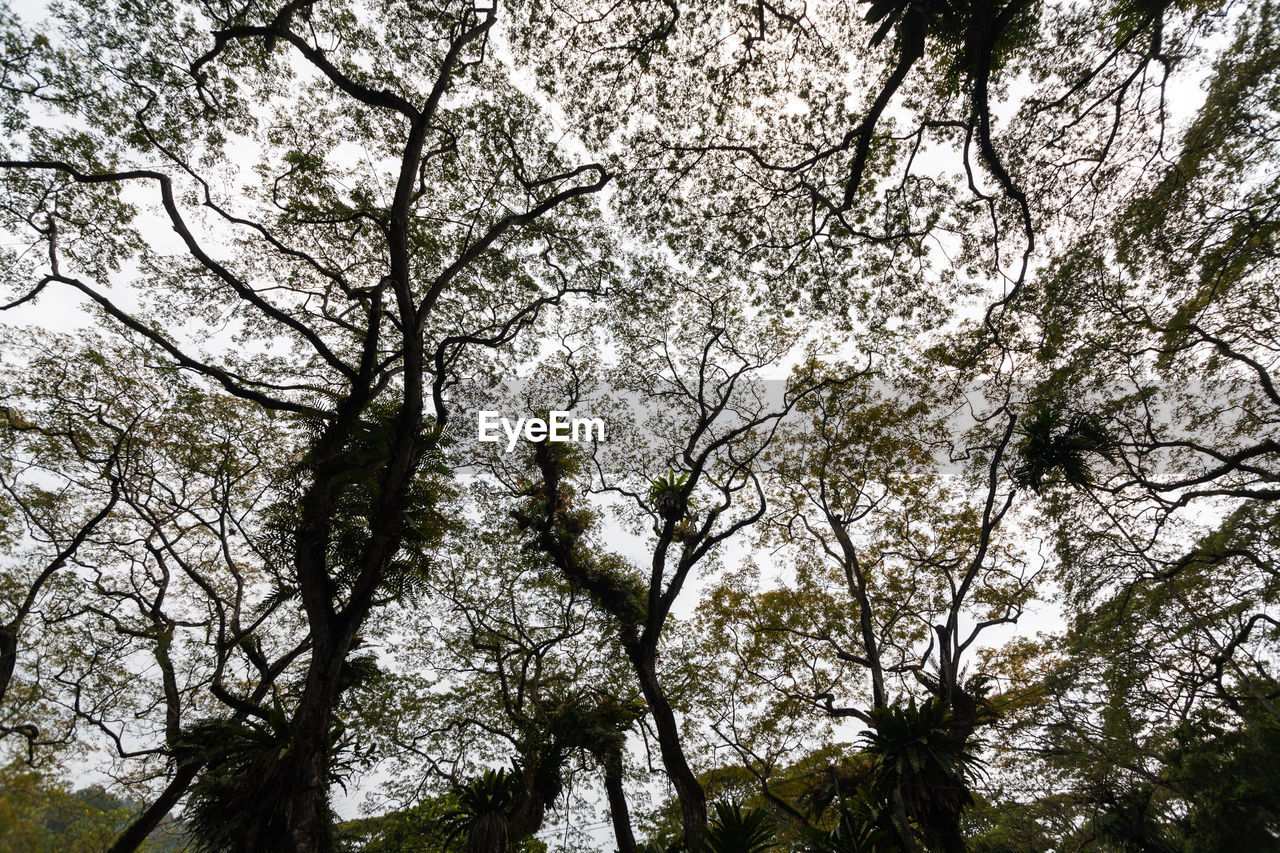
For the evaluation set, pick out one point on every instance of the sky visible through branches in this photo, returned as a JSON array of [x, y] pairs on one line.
[[663, 425]]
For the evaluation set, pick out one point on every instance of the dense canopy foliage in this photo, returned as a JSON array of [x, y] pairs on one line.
[[932, 501]]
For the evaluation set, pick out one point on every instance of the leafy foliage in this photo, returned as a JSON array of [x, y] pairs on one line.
[[243, 794], [925, 756], [1056, 443], [863, 826], [484, 809], [737, 830], [39, 814], [242, 525], [666, 495]]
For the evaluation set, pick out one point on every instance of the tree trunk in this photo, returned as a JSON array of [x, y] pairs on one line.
[[8, 656], [145, 823], [693, 802], [951, 838], [308, 821], [903, 824], [618, 811]]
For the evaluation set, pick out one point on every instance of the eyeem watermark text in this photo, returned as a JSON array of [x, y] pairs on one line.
[[558, 427]]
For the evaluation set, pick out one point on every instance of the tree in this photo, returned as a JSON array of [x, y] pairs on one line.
[[1153, 340], [694, 360], [101, 431], [1024, 288], [893, 571], [522, 677], [353, 288], [41, 814]]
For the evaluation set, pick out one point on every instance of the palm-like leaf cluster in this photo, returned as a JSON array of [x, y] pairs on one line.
[[667, 494], [925, 758], [863, 827], [738, 830], [913, 17], [242, 796], [1054, 442], [483, 812]]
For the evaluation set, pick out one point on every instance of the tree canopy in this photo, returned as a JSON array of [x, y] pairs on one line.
[[918, 481]]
